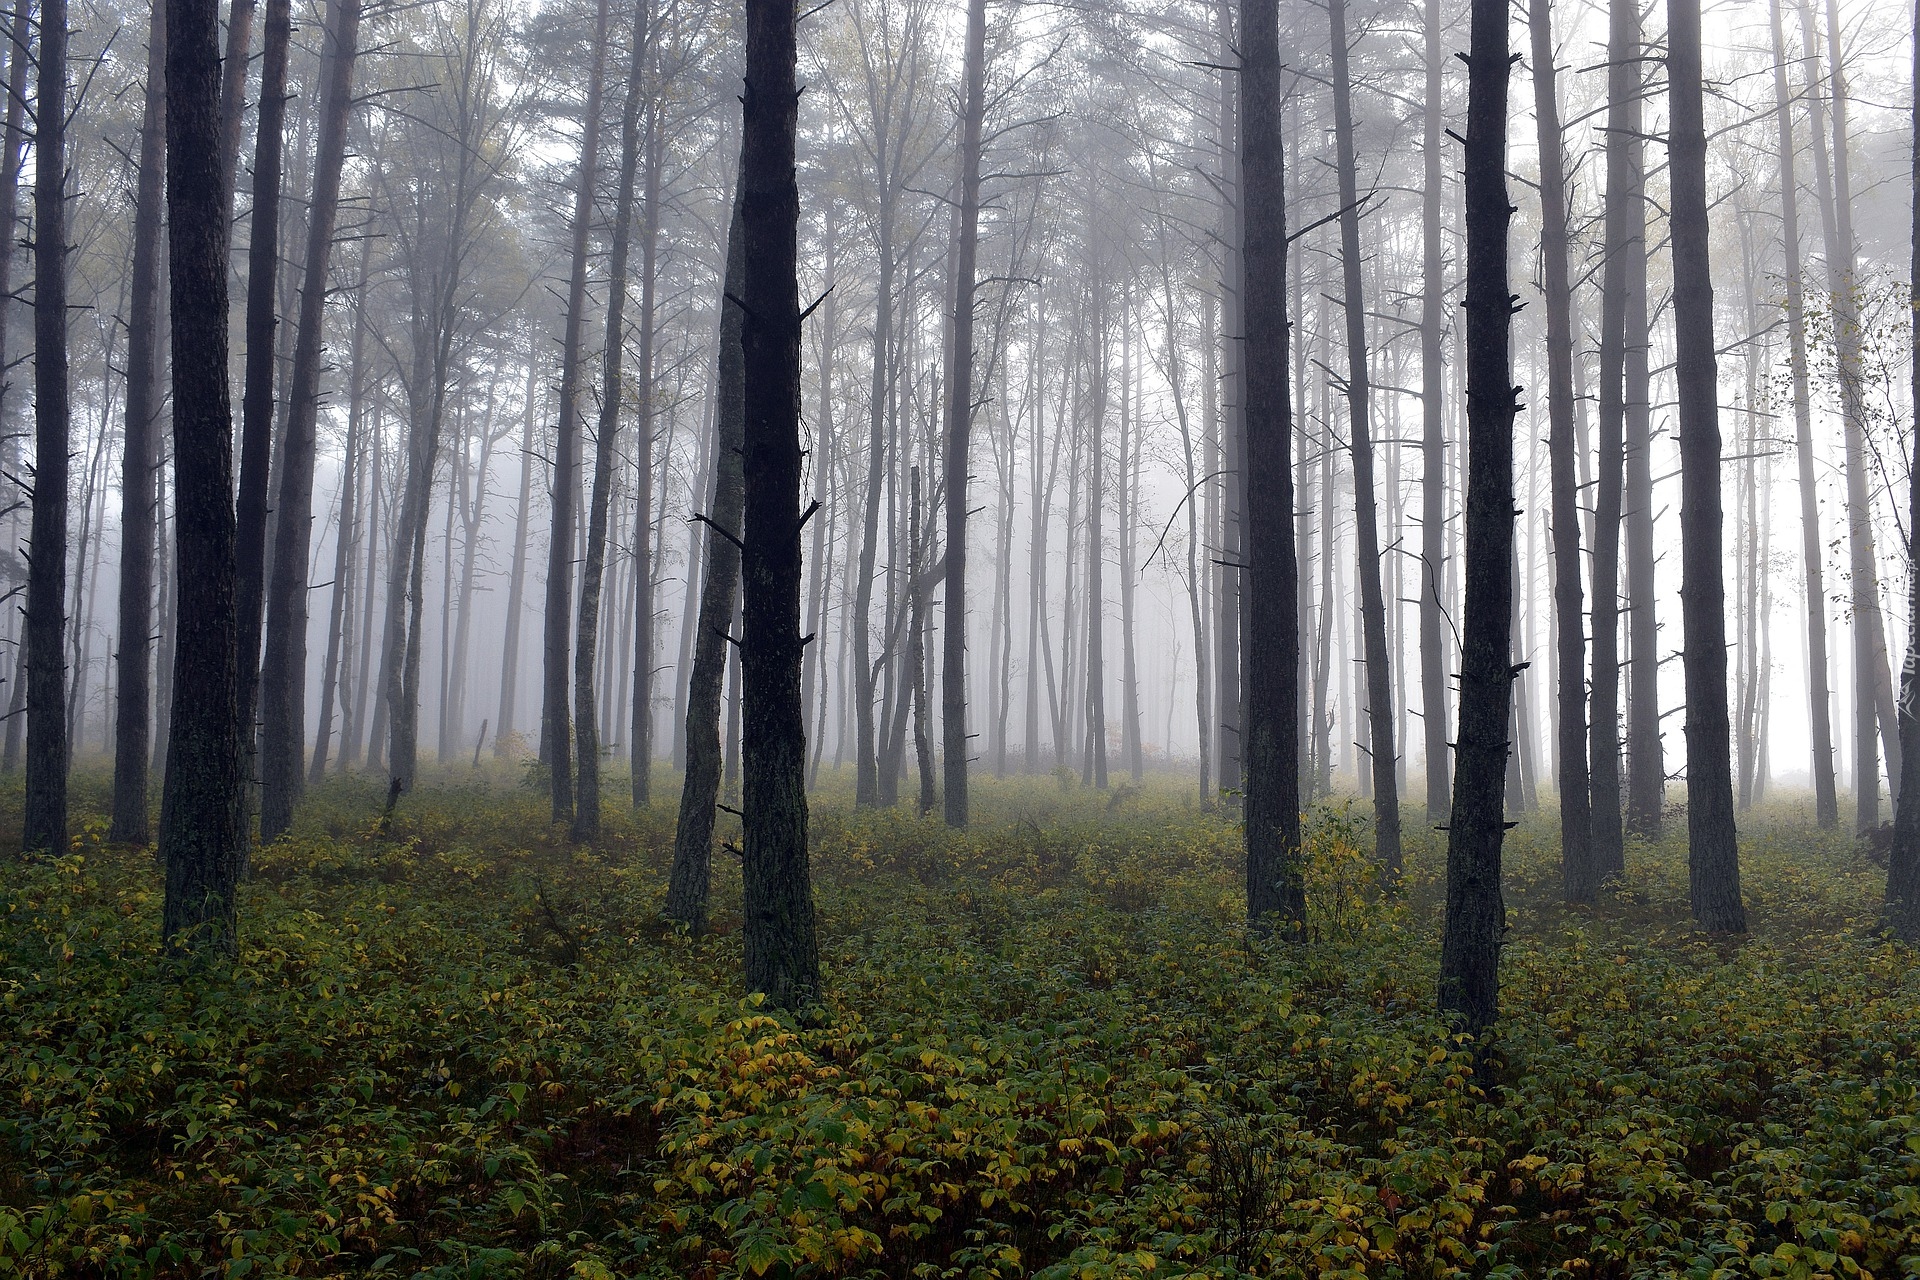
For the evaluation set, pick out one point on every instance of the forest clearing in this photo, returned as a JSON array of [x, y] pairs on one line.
[[1046, 1048]]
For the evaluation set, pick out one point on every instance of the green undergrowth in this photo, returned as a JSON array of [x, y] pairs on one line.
[[463, 1048]]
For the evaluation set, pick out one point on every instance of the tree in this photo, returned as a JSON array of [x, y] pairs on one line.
[[44, 825], [284, 670], [139, 496], [1476, 917], [782, 958], [586, 719], [1275, 878], [689, 879], [1571, 648], [1713, 861], [953, 671], [203, 837], [554, 734], [1902, 908], [1373, 609], [1433, 478]]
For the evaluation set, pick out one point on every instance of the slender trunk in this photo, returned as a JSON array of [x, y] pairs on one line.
[[1577, 878], [1713, 861], [641, 758], [1094, 769], [12, 143], [44, 826], [362, 683], [283, 670], [865, 672], [1275, 877], [1476, 912], [812, 672], [202, 817], [700, 785], [339, 621], [1229, 714], [504, 731], [1646, 756], [917, 650], [1373, 607], [586, 716], [560, 549], [133, 725]]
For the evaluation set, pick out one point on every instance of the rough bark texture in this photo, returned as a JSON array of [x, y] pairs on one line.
[[139, 498], [1476, 912], [44, 825], [1713, 862], [777, 896], [953, 670], [1275, 879], [1383, 758], [283, 680], [700, 786], [1570, 648], [554, 732], [1903, 858], [202, 820]]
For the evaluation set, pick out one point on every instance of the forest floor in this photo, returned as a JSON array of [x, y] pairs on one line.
[[1048, 1048]]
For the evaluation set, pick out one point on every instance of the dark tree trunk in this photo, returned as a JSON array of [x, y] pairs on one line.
[[13, 140], [953, 667], [1382, 756], [917, 648], [700, 785], [1229, 674], [1646, 755], [339, 617], [233, 89], [133, 723], [1713, 861], [1570, 651], [555, 731], [1476, 911], [1819, 709], [44, 826], [202, 818], [781, 957], [284, 670], [1433, 442], [1623, 224], [1902, 910], [262, 322], [586, 715], [641, 756], [1275, 877]]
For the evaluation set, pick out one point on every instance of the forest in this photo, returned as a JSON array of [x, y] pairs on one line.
[[983, 640]]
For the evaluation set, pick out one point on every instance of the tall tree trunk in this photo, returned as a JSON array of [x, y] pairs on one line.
[[1373, 607], [1902, 909], [339, 616], [362, 682], [133, 724], [1570, 649], [1275, 877], [641, 757], [284, 669], [1713, 861], [504, 730], [44, 825], [262, 322], [960, 401], [233, 90], [586, 717], [917, 648], [12, 144], [1476, 918], [865, 668], [1433, 442], [1229, 697], [781, 956], [812, 673], [203, 838], [700, 785], [566, 453], [1624, 222], [1129, 520], [1819, 709], [1646, 755], [1094, 768]]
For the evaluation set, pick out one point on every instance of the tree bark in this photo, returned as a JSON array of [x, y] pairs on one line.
[[133, 723], [1476, 911], [44, 824], [284, 668], [781, 955], [1433, 442], [1578, 882], [516, 583], [700, 785], [641, 756], [1276, 889], [1713, 861], [202, 818]]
